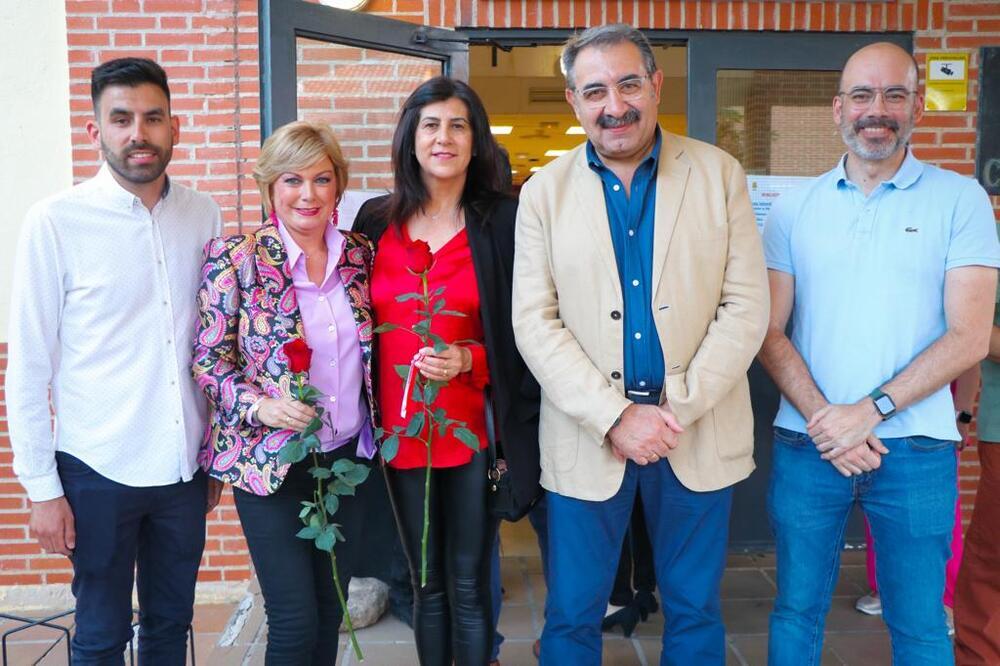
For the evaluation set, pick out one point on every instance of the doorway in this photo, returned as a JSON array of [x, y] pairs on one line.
[[763, 96]]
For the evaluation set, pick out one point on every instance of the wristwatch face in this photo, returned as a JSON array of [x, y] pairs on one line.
[[884, 405]]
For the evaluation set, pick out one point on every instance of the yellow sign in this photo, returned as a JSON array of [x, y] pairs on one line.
[[947, 82]]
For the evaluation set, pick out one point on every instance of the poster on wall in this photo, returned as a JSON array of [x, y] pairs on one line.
[[765, 190], [947, 82]]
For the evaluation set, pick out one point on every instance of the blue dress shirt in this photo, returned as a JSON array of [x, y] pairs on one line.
[[632, 220]]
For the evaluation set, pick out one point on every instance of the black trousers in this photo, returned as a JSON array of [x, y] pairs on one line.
[[153, 536], [296, 579], [451, 616]]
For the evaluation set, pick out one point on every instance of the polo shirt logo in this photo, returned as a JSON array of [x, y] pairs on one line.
[[911, 230]]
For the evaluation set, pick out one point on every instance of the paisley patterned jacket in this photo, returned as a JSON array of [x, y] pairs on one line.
[[247, 311]]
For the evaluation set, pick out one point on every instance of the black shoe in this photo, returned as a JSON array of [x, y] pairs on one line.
[[627, 618], [646, 603]]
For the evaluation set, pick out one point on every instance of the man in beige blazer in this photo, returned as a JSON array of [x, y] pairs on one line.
[[640, 299]]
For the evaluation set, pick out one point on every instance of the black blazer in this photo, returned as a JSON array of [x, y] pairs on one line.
[[515, 392]]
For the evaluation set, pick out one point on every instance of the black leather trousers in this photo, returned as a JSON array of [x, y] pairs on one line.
[[451, 615]]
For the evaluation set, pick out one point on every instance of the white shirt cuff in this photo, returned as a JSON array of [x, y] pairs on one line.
[[43, 488], [251, 414]]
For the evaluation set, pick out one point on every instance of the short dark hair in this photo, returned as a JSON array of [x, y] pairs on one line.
[[604, 35], [484, 182], [130, 72]]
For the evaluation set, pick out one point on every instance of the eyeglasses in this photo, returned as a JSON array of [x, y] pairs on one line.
[[629, 90], [894, 97]]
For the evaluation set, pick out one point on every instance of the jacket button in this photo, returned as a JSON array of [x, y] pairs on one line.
[[615, 374], [616, 315]]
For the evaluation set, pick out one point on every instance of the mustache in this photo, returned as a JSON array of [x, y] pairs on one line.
[[865, 123], [142, 147], [606, 121]]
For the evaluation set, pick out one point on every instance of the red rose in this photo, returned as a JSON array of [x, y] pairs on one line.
[[419, 258], [299, 355]]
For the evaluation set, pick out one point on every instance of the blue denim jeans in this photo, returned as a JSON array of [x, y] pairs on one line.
[[689, 533], [910, 504]]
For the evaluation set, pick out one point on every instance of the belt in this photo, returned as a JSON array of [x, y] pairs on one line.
[[644, 396]]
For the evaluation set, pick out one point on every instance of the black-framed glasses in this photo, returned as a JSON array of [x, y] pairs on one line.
[[628, 89], [894, 97]]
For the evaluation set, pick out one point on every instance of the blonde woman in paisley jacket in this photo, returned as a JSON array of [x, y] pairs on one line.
[[297, 276]]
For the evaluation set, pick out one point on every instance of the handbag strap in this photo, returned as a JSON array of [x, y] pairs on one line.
[[491, 433]]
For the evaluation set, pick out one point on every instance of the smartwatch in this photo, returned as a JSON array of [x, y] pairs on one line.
[[963, 417], [883, 404]]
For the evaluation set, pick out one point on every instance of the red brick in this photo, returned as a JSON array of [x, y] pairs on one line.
[[974, 9], [209, 575], [127, 38], [122, 6], [21, 579], [58, 577], [87, 39], [172, 6], [969, 42], [130, 23]]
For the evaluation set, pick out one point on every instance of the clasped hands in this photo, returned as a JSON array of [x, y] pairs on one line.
[[843, 436], [644, 434]]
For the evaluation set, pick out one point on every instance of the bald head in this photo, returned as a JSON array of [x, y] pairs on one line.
[[882, 59]]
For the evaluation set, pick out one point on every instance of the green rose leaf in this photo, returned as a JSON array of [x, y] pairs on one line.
[[309, 394], [325, 539], [438, 305], [415, 425], [338, 487], [320, 472], [292, 452], [431, 393], [467, 437], [307, 508], [390, 447], [402, 370], [310, 443], [331, 503], [385, 328], [313, 426], [337, 533], [452, 313], [343, 465], [438, 291], [307, 533], [416, 394], [357, 475], [412, 296]]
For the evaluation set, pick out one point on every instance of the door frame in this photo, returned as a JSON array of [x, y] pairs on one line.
[[282, 22]]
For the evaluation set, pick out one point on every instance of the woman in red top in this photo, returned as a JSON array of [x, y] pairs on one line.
[[450, 191]]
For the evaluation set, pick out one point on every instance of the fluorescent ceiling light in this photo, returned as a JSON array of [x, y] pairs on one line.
[[513, 172], [501, 129], [555, 153], [575, 129], [534, 169]]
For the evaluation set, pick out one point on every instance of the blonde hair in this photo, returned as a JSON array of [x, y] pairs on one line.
[[295, 146]]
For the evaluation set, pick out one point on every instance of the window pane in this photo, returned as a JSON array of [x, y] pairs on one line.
[[778, 122], [358, 92]]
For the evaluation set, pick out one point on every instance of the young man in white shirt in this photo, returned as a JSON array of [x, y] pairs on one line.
[[102, 316]]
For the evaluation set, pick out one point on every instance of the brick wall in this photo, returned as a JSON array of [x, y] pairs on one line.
[[209, 48]]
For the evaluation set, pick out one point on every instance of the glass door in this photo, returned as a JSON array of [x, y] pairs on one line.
[[352, 71], [766, 98]]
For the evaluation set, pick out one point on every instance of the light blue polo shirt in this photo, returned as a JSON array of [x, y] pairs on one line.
[[869, 280]]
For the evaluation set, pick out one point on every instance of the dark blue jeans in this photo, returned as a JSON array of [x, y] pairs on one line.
[[910, 504], [538, 517], [689, 534], [158, 535]]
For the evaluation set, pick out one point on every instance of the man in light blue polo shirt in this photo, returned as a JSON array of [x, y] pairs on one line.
[[887, 267]]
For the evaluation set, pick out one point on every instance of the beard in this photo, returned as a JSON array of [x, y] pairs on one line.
[[879, 149], [138, 173]]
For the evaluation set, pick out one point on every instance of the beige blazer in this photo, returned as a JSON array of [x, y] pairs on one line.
[[710, 305]]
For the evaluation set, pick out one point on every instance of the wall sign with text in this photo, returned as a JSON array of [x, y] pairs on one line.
[[947, 82]]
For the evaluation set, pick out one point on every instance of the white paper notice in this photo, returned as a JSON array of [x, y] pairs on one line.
[[765, 190]]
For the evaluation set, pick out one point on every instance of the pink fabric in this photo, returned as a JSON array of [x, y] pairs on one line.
[[954, 562], [331, 332]]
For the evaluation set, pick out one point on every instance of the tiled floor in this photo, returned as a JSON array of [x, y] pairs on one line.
[[747, 591]]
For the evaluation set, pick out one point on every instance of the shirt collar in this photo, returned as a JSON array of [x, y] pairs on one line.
[[120, 197], [334, 243], [909, 172], [595, 163]]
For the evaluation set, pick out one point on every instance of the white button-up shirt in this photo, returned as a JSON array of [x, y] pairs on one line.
[[103, 313]]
